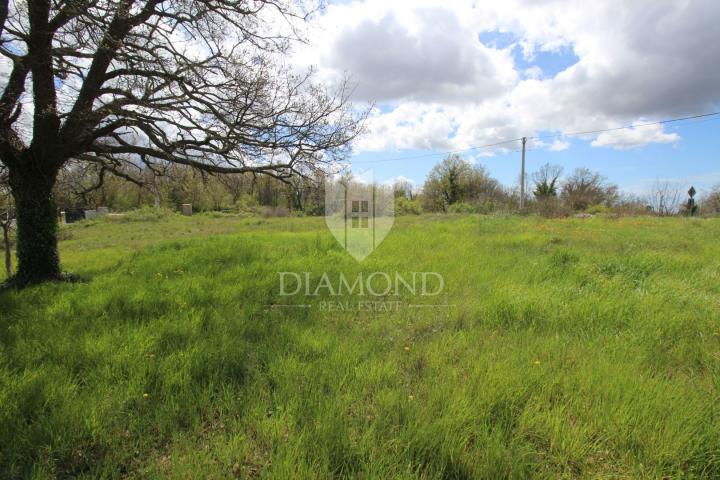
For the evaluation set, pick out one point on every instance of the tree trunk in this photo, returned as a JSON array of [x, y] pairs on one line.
[[6, 245], [37, 224]]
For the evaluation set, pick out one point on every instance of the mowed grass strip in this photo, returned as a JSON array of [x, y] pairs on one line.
[[578, 348]]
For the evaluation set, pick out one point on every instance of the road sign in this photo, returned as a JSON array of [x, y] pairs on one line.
[[692, 192]]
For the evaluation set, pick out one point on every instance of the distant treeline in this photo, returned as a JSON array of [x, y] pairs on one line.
[[453, 186]]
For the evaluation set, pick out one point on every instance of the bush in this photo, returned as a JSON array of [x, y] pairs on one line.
[[597, 209], [486, 208], [551, 208], [247, 205], [275, 212], [629, 205], [403, 206], [219, 214], [461, 207], [142, 214], [483, 208], [710, 205]]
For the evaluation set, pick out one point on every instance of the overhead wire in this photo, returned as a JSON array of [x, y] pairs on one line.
[[542, 137], [637, 125]]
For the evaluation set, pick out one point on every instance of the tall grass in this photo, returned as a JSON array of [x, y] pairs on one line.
[[573, 348]]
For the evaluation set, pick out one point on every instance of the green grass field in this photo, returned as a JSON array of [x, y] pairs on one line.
[[578, 348]]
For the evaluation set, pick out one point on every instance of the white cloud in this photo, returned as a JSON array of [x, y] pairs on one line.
[[634, 137], [534, 72], [400, 179], [559, 145], [410, 125], [442, 88]]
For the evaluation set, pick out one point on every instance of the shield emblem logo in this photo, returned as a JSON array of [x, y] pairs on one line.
[[359, 212]]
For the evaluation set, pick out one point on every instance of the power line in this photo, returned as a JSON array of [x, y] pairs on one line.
[[661, 122], [442, 153], [541, 137]]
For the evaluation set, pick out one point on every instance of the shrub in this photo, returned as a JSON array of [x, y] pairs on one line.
[[629, 205], [275, 212], [403, 206], [710, 205], [461, 207], [218, 214], [247, 205], [483, 208], [596, 209], [142, 214], [551, 208]]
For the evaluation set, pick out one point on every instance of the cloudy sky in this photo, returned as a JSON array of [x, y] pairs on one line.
[[450, 75]]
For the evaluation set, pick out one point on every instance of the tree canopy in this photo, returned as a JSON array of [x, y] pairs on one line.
[[131, 85], [455, 180]]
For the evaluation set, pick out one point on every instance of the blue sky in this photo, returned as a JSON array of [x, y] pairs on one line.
[[693, 160], [447, 75]]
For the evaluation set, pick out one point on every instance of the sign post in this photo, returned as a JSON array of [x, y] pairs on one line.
[[691, 206]]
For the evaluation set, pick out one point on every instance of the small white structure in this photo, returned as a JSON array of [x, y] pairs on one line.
[[187, 209]]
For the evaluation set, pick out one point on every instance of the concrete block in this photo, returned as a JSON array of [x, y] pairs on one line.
[[187, 209]]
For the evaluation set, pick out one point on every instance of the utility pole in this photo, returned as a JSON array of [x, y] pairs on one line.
[[522, 176]]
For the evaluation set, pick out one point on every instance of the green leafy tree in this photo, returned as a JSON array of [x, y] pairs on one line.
[[455, 180], [546, 181]]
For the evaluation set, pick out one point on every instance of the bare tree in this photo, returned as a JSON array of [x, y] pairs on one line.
[[403, 189], [665, 198], [153, 82], [585, 188], [710, 204]]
